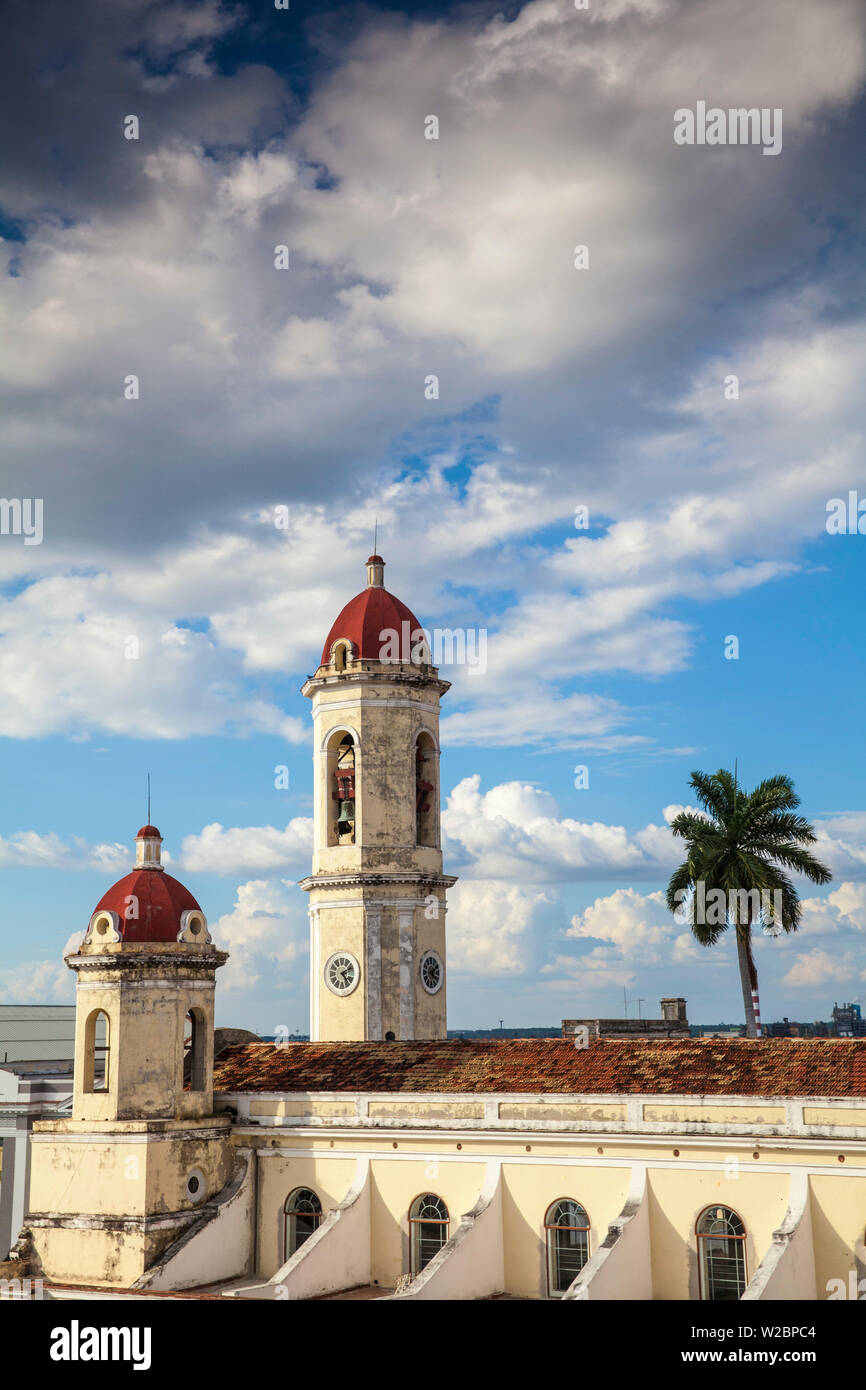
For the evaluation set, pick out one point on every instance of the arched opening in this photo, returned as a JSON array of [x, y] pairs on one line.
[[194, 1050], [97, 1052], [426, 791], [428, 1229], [566, 1229], [301, 1216], [721, 1238], [340, 809], [339, 657]]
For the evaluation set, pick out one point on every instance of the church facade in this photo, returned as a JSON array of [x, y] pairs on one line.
[[384, 1158]]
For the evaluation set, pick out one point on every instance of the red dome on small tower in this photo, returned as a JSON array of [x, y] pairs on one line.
[[148, 904], [368, 615]]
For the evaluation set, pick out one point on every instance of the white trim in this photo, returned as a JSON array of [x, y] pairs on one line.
[[547, 1160], [340, 729], [409, 903], [364, 702]]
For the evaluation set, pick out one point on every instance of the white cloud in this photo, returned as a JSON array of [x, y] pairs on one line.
[[37, 982], [514, 831], [817, 967], [635, 923], [489, 925], [233, 850], [29, 849], [264, 931]]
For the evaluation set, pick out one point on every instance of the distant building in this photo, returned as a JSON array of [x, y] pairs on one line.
[[847, 1022], [672, 1024]]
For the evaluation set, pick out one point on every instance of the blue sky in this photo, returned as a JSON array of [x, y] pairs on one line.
[[558, 388]]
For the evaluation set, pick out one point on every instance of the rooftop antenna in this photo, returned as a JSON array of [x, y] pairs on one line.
[[148, 798]]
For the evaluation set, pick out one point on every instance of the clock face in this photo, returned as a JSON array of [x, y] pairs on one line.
[[342, 972], [431, 972]]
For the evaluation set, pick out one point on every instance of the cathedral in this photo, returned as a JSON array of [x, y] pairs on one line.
[[382, 1159]]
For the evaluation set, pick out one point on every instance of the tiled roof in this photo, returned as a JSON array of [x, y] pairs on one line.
[[692, 1066]]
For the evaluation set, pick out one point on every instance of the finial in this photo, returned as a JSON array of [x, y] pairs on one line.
[[148, 798]]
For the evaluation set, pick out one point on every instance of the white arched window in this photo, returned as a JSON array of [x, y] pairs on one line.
[[566, 1228], [301, 1216], [721, 1238], [428, 1229]]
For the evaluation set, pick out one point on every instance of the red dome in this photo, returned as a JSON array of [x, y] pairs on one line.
[[366, 616], [160, 902], [148, 832]]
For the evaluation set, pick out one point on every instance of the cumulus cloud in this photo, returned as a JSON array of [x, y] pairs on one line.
[[407, 255], [817, 967], [29, 849], [635, 923], [220, 850], [515, 831], [264, 932], [489, 927], [37, 982]]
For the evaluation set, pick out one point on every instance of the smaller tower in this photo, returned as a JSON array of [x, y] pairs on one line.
[[142, 1143]]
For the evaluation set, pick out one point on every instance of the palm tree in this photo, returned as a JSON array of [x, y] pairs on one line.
[[739, 845]]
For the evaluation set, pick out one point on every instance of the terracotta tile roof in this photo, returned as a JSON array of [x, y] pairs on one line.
[[690, 1066]]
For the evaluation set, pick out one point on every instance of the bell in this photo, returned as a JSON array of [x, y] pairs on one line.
[[346, 818]]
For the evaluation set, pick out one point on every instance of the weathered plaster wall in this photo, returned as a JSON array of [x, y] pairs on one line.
[[787, 1271], [621, 1266], [838, 1214], [395, 1187], [219, 1242], [278, 1176], [677, 1198], [336, 1256], [529, 1189], [471, 1265]]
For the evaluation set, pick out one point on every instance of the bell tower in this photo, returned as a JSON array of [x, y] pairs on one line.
[[118, 1181], [377, 890]]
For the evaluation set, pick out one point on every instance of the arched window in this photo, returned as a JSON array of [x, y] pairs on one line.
[[340, 808], [97, 1052], [301, 1216], [426, 793], [566, 1227], [339, 657], [721, 1239], [194, 1050], [428, 1229]]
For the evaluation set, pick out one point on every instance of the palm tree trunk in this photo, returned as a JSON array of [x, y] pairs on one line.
[[748, 977]]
